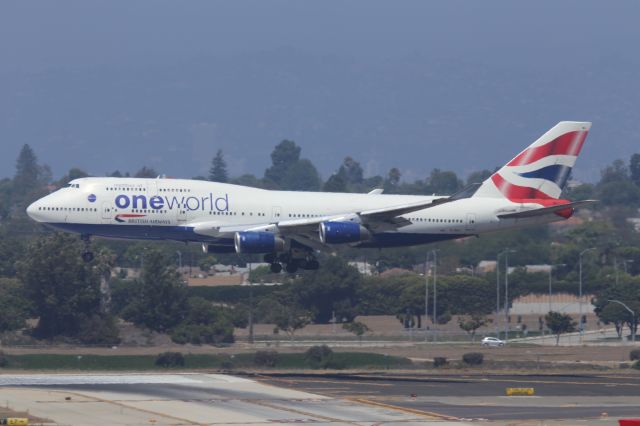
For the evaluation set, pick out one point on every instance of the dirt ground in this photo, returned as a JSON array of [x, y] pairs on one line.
[[387, 337]]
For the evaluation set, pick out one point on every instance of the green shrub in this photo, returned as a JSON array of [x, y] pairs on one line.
[[318, 356], [439, 361], [634, 355], [198, 334], [473, 358], [170, 360], [636, 365], [3, 360], [266, 358]]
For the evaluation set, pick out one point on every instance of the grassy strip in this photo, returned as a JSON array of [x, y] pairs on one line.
[[339, 360]]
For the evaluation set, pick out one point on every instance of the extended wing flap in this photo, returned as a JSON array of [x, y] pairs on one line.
[[545, 210]]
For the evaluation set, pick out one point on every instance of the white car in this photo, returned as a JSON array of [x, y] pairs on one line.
[[492, 341]]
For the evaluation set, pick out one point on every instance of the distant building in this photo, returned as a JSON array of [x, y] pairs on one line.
[[363, 267], [394, 272], [561, 302], [486, 266]]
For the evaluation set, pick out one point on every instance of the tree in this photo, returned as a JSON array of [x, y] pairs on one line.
[[559, 323], [331, 289], [74, 173], [146, 172], [357, 328], [335, 183], [615, 314], [392, 181], [218, 170], [634, 168], [290, 318], [301, 176], [13, 305], [351, 171], [479, 176], [159, 299], [443, 182], [27, 174], [472, 323], [204, 323], [285, 154], [63, 289]]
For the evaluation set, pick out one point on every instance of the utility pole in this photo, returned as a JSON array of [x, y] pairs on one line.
[[426, 296], [498, 295], [506, 295], [435, 294], [250, 307], [581, 326]]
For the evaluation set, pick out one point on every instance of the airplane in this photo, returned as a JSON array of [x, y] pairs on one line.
[[290, 227]]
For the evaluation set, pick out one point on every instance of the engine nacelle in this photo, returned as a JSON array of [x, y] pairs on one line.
[[257, 242], [343, 232]]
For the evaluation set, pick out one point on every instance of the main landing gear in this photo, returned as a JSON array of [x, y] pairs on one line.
[[291, 264], [87, 254]]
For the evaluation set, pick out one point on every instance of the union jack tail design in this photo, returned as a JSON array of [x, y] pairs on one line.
[[541, 171]]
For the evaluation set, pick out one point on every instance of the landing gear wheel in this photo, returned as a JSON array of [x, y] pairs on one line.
[[276, 268], [87, 256], [292, 267]]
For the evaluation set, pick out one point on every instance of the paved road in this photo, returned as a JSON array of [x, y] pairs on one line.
[[483, 397]]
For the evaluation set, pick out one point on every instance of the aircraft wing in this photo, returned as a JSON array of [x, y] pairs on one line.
[[545, 210], [305, 231]]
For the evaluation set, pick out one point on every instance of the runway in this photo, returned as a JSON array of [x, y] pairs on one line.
[[482, 397], [187, 399], [332, 399]]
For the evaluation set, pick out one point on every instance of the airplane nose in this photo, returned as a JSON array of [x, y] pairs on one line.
[[31, 210]]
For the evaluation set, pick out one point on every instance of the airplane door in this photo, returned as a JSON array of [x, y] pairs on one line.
[[107, 212], [471, 221], [152, 188], [182, 215], [276, 214]]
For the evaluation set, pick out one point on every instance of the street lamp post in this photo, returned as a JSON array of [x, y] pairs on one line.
[[633, 318], [581, 326]]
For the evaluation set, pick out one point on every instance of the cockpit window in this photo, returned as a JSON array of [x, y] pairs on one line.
[[72, 185]]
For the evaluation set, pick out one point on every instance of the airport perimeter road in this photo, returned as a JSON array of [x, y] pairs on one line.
[[188, 399], [474, 397]]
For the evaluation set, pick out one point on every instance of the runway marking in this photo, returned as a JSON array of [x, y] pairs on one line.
[[304, 413], [423, 413], [142, 410], [337, 382], [499, 380]]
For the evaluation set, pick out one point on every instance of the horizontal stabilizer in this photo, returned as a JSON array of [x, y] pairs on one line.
[[546, 210]]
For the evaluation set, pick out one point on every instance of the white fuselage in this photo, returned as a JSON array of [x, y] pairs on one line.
[[172, 208]]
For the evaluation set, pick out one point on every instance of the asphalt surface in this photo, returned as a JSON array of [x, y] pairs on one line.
[[483, 396]]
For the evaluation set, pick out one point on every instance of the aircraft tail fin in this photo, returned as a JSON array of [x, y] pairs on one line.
[[541, 170]]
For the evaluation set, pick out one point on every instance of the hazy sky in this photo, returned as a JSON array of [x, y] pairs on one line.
[[460, 85]]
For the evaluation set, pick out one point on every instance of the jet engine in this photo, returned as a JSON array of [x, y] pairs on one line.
[[343, 232], [257, 242]]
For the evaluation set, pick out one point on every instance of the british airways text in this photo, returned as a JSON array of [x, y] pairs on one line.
[[157, 202]]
